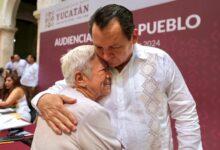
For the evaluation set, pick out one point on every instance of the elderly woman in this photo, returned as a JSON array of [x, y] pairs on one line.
[[88, 81], [14, 95]]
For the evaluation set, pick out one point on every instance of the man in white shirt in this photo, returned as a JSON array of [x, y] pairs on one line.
[[29, 78], [147, 89], [87, 80], [19, 64], [10, 64]]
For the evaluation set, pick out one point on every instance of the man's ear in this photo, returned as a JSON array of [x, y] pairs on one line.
[[135, 36], [80, 79]]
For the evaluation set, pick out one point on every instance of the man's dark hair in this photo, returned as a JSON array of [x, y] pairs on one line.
[[33, 57], [105, 14]]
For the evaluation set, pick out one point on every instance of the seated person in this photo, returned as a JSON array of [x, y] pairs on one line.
[[14, 95], [88, 81]]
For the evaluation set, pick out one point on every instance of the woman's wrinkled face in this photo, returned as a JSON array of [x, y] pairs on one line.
[[99, 82], [9, 83]]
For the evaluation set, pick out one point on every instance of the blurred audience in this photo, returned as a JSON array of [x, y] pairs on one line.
[[18, 82], [29, 78], [15, 96], [19, 64], [10, 64]]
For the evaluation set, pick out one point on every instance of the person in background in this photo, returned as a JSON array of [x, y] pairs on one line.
[[19, 64], [29, 78], [147, 89], [14, 96], [10, 65], [89, 81]]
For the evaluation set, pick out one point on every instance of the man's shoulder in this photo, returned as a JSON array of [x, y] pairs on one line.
[[22, 61], [35, 65], [146, 51]]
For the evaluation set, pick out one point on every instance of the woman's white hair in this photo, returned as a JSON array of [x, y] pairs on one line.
[[75, 60]]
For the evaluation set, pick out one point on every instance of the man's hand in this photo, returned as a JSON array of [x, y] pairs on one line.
[[57, 116]]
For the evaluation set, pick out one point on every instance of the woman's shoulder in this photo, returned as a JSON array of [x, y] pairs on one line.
[[19, 90]]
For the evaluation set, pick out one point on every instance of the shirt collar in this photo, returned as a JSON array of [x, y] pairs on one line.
[[139, 52]]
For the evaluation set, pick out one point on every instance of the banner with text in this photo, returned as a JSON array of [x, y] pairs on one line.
[[188, 30]]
